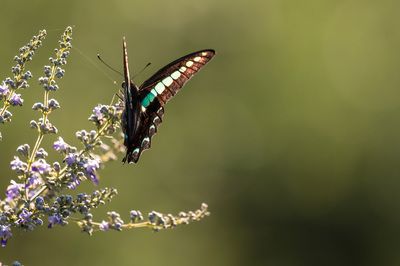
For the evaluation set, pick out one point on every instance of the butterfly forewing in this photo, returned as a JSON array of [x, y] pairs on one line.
[[170, 79]]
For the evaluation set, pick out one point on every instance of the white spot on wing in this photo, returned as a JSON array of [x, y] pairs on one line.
[[204, 53], [176, 75], [159, 88], [152, 130], [156, 120], [182, 69], [146, 143], [167, 81], [189, 63], [143, 109], [154, 92], [197, 59]]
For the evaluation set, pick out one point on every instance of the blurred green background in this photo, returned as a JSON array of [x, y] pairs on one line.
[[291, 134]]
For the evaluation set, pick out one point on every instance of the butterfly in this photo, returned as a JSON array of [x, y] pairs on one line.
[[144, 105]]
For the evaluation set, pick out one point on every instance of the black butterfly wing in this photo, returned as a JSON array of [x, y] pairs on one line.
[[155, 92], [170, 79], [148, 128]]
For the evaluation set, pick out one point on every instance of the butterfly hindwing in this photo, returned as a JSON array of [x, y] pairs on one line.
[[149, 127]]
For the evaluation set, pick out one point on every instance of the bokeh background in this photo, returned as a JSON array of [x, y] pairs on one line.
[[291, 134]]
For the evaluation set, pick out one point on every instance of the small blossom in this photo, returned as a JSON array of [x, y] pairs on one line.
[[104, 226], [10, 82], [3, 89], [41, 166], [68, 199], [156, 218], [118, 226], [38, 106], [99, 111], [53, 104], [23, 150], [74, 182], [60, 145], [55, 219], [16, 100], [59, 71], [46, 127], [41, 154], [39, 200], [6, 117], [33, 181], [24, 216], [136, 216], [27, 75], [57, 166], [90, 169], [34, 124], [39, 203], [47, 71], [18, 166], [71, 158], [13, 190], [5, 234]]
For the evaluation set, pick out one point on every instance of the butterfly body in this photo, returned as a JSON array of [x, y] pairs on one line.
[[144, 105]]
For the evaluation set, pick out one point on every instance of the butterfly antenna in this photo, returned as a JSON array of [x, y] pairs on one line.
[[88, 59], [107, 65], [143, 69]]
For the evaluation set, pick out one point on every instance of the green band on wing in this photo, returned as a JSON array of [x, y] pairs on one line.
[[148, 99]]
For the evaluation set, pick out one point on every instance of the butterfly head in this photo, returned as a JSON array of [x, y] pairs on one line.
[[123, 85]]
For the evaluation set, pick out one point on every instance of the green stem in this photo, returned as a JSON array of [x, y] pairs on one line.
[[41, 134]]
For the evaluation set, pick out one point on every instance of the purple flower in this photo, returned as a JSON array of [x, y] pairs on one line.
[[60, 145], [53, 104], [13, 190], [104, 226], [33, 181], [71, 158], [23, 150], [41, 153], [74, 182], [90, 170], [24, 216], [55, 219], [18, 165], [57, 166], [97, 112], [136, 215], [5, 234], [3, 89], [41, 166], [16, 99]]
